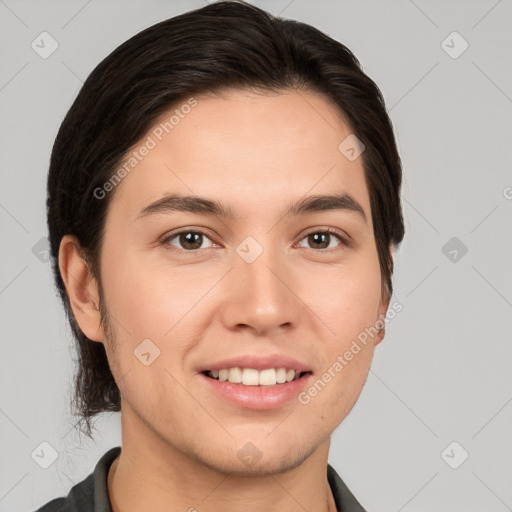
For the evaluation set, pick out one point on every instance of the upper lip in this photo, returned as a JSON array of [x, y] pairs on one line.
[[259, 363]]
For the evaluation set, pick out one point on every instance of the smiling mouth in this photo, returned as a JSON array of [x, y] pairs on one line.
[[255, 378]]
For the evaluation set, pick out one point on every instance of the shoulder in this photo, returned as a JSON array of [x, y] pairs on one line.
[[56, 505], [345, 500], [89, 495]]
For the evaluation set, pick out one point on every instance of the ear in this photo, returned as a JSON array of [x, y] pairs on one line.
[[380, 322], [81, 288], [383, 308]]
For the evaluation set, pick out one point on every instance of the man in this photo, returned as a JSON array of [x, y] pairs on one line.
[[223, 202]]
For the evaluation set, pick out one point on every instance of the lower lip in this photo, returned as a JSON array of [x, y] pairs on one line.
[[258, 397]]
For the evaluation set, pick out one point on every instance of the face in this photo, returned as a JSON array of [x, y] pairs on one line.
[[200, 287]]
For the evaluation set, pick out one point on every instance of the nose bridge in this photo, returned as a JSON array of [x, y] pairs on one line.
[[262, 298]]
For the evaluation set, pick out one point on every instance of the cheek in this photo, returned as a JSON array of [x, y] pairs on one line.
[[143, 306], [346, 298], [155, 302], [348, 383], [146, 299]]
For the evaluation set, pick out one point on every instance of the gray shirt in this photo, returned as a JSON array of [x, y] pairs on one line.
[[91, 494]]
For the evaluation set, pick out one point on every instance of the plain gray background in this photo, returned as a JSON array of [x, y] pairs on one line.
[[440, 384]]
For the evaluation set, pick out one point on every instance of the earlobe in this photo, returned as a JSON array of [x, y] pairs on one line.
[[81, 288], [380, 323], [381, 326]]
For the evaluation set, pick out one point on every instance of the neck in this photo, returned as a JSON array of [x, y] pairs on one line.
[[329, 507], [153, 475]]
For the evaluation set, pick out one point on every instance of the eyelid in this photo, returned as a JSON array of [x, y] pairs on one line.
[[343, 237], [173, 234]]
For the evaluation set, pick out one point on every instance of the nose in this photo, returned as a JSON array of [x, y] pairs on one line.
[[262, 296]]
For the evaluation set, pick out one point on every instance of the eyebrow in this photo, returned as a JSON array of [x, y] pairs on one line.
[[205, 206]]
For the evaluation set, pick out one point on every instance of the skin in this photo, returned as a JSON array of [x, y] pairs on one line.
[[255, 153]]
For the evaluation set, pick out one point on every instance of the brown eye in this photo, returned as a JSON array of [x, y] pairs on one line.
[[188, 240], [323, 239]]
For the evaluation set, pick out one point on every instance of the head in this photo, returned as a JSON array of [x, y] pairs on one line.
[[253, 120]]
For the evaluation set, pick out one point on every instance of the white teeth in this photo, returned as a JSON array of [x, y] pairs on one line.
[[252, 377], [267, 377], [281, 375], [235, 375]]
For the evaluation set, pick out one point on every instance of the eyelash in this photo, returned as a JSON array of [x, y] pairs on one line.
[[165, 241]]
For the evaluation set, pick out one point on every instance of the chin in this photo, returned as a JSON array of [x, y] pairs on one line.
[[249, 461]]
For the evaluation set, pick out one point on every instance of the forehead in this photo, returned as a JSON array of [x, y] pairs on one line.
[[252, 151]]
